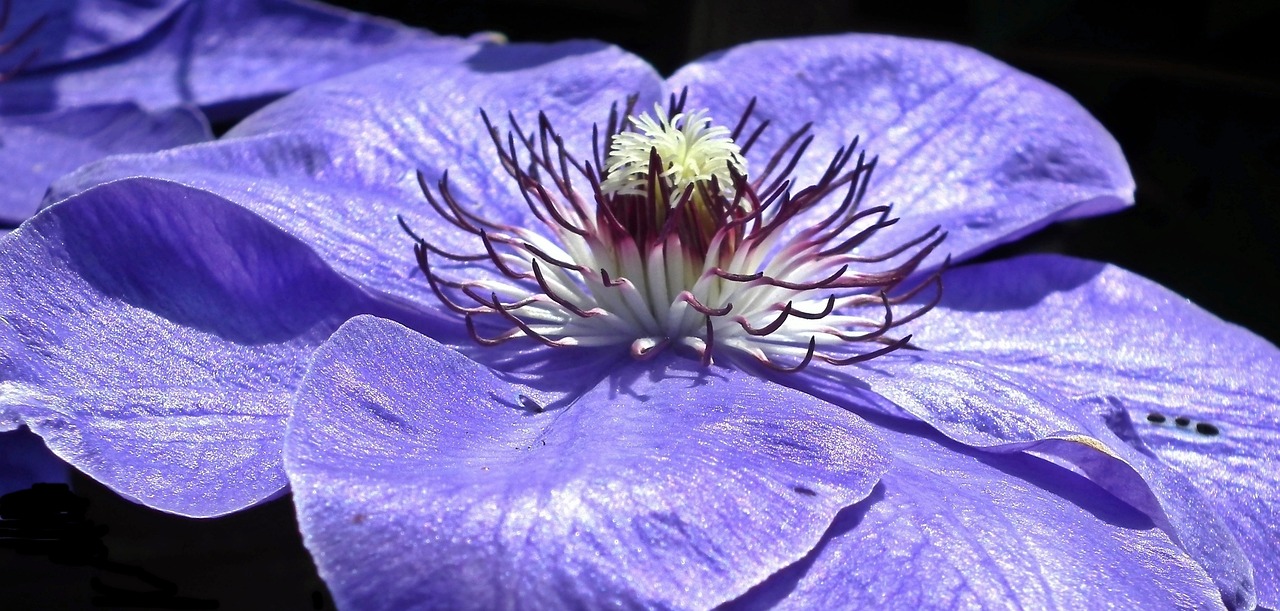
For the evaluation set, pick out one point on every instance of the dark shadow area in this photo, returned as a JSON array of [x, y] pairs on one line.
[[775, 589], [1020, 294], [666, 369], [49, 520], [83, 547], [1069, 486], [1041, 474], [201, 262], [25, 460], [504, 58]]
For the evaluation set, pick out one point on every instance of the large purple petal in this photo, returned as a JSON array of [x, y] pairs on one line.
[[964, 141], [334, 164], [35, 149], [952, 528], [154, 334], [224, 56], [1203, 395], [972, 401], [423, 481]]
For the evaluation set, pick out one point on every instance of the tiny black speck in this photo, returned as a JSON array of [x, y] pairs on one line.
[[1182, 421], [1204, 428], [1155, 417], [805, 491]]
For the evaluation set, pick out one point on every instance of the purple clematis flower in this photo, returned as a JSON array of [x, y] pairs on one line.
[[1046, 431], [83, 80]]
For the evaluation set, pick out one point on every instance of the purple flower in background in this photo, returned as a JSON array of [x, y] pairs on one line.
[[83, 80], [1051, 433]]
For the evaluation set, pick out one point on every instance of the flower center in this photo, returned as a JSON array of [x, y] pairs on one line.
[[671, 243]]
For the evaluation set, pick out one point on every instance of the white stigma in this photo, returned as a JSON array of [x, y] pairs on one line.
[[691, 148]]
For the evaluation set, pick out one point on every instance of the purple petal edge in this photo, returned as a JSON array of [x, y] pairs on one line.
[[1199, 393], [36, 149], [154, 334], [421, 479], [953, 527], [963, 141]]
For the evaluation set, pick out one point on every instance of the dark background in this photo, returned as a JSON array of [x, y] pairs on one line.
[[1191, 94]]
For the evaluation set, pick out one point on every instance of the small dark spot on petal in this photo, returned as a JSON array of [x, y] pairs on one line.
[[1204, 428], [358, 518], [805, 491], [1182, 421], [1156, 417]]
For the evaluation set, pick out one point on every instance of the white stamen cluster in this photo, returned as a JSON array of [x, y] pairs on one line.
[[691, 148], [690, 252]]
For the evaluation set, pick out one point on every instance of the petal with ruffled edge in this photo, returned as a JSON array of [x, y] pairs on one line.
[[1200, 393], [226, 57], [950, 527], [971, 401], [422, 481], [154, 334], [964, 141], [334, 164], [35, 149]]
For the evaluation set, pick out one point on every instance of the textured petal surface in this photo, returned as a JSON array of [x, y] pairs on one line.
[[35, 149], [954, 528], [964, 141], [224, 56], [334, 164], [980, 405], [154, 334], [1200, 393], [422, 481]]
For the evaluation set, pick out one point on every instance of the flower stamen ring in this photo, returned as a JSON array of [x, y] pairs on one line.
[[671, 243]]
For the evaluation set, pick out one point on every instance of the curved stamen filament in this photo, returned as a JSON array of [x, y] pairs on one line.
[[683, 251]]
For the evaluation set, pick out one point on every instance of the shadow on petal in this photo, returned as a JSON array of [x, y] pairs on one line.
[[509, 58]]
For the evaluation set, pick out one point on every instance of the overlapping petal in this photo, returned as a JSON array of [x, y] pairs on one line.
[[87, 79], [964, 141], [424, 481], [63, 31], [972, 402], [335, 163], [1200, 394], [168, 375], [154, 334], [950, 527], [36, 149], [225, 57]]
